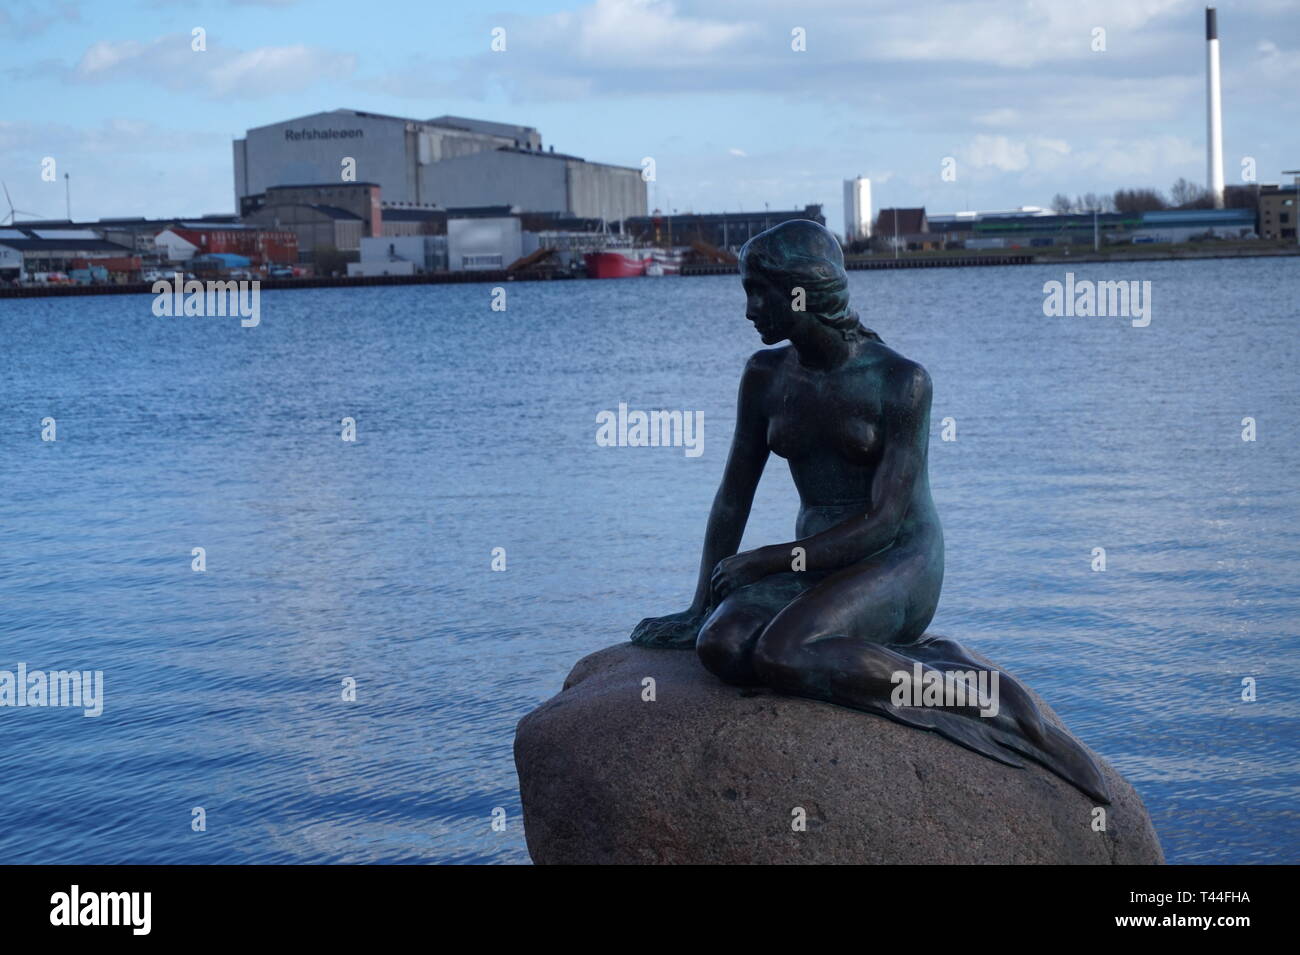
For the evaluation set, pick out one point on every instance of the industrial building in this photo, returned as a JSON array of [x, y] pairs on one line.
[[1191, 225], [1034, 228], [335, 215], [134, 232], [401, 255], [445, 162], [25, 251], [187, 240], [724, 230]]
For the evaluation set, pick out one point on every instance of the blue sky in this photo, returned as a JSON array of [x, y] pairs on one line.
[[733, 116]]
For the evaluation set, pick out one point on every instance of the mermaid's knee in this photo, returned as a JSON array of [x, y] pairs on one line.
[[725, 647], [779, 659]]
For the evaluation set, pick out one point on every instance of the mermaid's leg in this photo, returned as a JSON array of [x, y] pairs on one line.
[[727, 637], [831, 641], [845, 639]]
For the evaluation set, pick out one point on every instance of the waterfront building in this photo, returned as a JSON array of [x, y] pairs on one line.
[[404, 222], [187, 240], [315, 225], [723, 230], [25, 250], [445, 162], [483, 243], [1277, 212], [906, 229], [401, 255], [133, 232], [1190, 225], [361, 199], [1035, 228], [857, 209]]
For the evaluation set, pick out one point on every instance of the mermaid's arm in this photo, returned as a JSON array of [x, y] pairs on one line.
[[727, 517], [745, 463]]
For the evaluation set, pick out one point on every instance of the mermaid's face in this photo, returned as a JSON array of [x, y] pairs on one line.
[[768, 306]]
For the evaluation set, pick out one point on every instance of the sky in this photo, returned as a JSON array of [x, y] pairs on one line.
[[1017, 99]]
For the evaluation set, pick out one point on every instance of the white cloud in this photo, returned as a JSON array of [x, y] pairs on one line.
[[1276, 63], [639, 33], [1128, 161], [1141, 159], [1004, 116], [219, 72], [998, 152], [28, 19], [281, 68]]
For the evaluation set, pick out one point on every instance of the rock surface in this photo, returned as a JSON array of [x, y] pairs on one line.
[[710, 773]]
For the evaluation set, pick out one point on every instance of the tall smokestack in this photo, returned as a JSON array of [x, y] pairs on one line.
[[1214, 110]]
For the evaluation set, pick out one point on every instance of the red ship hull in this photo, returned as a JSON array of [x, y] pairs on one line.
[[629, 263], [616, 265]]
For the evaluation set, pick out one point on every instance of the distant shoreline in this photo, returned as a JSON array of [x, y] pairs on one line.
[[956, 258]]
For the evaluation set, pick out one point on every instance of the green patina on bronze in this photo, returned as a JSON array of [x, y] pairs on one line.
[[836, 612]]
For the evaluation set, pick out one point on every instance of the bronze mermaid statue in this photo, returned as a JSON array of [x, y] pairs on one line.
[[838, 613]]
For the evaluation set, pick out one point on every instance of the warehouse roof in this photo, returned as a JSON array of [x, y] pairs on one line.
[[211, 226], [911, 220], [482, 126], [319, 185], [69, 245], [52, 240], [552, 154]]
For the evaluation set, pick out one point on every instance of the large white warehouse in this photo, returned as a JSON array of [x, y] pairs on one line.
[[447, 162]]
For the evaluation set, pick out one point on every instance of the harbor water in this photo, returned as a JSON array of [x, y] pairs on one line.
[[333, 564]]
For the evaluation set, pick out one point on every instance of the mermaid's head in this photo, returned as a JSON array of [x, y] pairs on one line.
[[795, 271]]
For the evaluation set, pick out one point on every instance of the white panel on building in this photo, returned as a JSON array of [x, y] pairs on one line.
[[483, 243]]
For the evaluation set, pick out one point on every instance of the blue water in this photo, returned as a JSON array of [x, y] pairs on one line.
[[371, 560]]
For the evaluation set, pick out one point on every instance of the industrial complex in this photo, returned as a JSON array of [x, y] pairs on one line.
[[433, 164], [347, 192]]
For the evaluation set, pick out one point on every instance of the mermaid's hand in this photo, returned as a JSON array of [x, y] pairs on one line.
[[676, 631], [739, 570]]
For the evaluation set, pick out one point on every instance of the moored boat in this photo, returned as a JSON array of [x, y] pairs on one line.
[[629, 263]]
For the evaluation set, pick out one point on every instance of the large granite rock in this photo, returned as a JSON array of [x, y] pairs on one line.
[[710, 773]]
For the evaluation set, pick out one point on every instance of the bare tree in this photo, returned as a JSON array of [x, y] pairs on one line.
[[1061, 204], [1131, 201], [1241, 197], [1190, 195], [1090, 201]]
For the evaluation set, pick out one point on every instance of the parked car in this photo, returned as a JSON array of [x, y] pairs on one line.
[[281, 272]]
